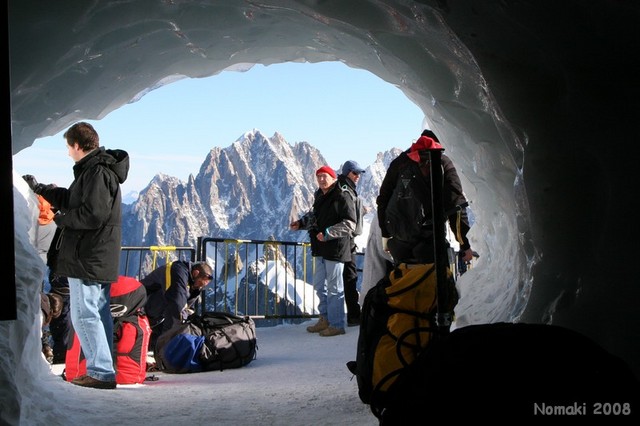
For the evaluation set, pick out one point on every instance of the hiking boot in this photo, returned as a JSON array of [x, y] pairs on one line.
[[48, 353], [352, 322], [322, 324], [90, 382], [331, 331]]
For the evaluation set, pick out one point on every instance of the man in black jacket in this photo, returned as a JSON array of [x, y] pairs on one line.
[[421, 250], [348, 180], [331, 224], [172, 291], [89, 245]]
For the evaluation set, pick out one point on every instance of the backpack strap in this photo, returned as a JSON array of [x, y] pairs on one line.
[[345, 188], [358, 207], [167, 280]]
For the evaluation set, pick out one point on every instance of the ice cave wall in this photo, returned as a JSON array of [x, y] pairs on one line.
[[538, 101]]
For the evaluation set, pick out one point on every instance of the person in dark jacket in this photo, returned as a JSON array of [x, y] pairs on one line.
[[453, 198], [348, 180], [89, 245], [60, 327], [172, 294], [330, 223]]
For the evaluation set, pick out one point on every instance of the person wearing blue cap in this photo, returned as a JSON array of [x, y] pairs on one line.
[[347, 181], [352, 166]]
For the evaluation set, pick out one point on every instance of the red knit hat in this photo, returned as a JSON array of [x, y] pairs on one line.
[[423, 142], [326, 169]]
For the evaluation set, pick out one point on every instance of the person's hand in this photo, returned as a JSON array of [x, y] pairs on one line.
[[294, 225], [34, 185], [31, 181]]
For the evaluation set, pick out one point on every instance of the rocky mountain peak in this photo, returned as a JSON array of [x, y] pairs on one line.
[[249, 190]]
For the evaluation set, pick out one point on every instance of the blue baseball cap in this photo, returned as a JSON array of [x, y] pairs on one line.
[[352, 166]]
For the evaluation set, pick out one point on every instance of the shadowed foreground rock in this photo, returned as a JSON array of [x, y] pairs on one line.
[[514, 371]]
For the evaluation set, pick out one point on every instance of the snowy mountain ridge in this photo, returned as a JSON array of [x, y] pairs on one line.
[[250, 189]]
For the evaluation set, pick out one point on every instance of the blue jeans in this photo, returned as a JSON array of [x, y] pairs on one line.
[[91, 318], [329, 287]]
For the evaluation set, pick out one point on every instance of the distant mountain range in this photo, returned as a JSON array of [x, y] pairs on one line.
[[250, 190]]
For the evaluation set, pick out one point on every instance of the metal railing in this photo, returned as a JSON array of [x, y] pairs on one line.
[[137, 262], [263, 279], [259, 278]]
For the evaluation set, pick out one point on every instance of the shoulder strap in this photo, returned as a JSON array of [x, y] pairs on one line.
[[358, 204], [167, 280], [345, 188]]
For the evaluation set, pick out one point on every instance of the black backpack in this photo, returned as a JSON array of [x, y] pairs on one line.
[[373, 325], [359, 209], [408, 213], [230, 340]]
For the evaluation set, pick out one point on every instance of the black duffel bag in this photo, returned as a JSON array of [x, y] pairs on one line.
[[230, 340], [211, 341]]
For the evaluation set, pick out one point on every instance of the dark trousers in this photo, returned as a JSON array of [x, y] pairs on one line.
[[157, 327], [350, 278], [60, 327]]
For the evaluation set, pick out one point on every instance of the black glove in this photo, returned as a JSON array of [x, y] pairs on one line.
[[41, 186], [31, 181]]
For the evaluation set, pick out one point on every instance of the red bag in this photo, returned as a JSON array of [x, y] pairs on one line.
[[131, 341], [74, 362]]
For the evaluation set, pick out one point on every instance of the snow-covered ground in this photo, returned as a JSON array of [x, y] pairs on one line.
[[297, 378]]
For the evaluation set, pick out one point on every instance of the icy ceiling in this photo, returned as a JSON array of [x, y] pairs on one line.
[[526, 94]]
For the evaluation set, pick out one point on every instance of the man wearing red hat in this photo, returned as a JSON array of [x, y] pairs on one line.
[[330, 223], [421, 250]]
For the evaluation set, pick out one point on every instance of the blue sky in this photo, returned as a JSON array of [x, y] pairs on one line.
[[349, 114]]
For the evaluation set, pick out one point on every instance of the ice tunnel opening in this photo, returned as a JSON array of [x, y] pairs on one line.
[[172, 129], [432, 70]]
